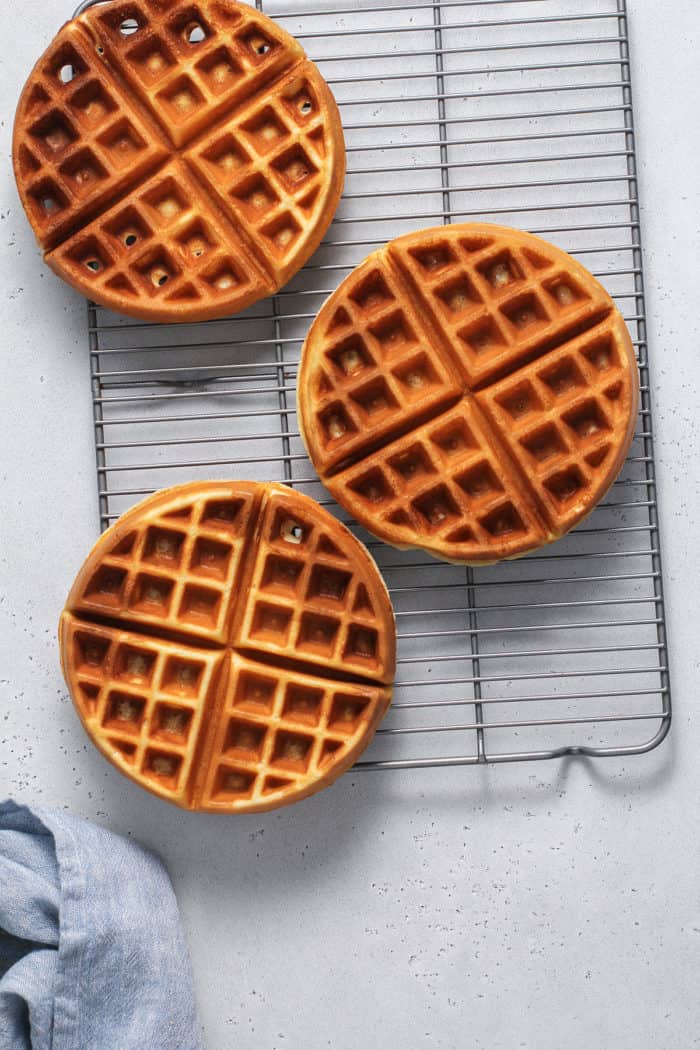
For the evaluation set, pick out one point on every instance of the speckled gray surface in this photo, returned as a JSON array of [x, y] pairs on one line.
[[515, 907]]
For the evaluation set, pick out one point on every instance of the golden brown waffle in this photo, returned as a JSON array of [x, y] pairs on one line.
[[177, 161], [229, 646], [471, 390]]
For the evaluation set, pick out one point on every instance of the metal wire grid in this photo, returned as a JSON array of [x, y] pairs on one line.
[[513, 111]]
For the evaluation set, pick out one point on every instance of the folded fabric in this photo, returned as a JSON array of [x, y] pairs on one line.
[[92, 953]]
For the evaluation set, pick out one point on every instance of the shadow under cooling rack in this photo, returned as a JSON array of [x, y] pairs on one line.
[[511, 111]]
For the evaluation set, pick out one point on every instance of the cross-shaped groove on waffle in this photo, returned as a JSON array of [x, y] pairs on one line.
[[206, 621], [434, 327], [227, 104]]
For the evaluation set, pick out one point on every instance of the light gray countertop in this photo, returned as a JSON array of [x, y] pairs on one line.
[[529, 906]]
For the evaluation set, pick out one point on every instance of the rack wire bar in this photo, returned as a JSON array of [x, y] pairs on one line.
[[511, 111]]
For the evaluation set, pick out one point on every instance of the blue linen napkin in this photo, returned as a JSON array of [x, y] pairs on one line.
[[92, 953]]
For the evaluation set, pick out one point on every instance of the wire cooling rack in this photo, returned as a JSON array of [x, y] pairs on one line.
[[512, 111]]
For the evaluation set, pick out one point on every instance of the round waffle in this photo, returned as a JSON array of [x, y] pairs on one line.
[[177, 161], [470, 390], [229, 646]]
